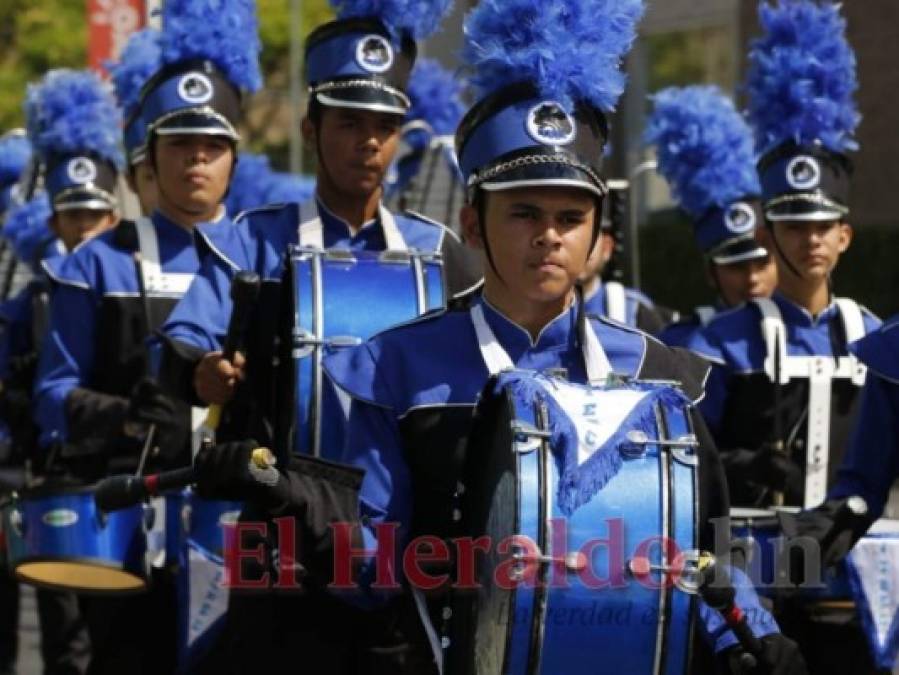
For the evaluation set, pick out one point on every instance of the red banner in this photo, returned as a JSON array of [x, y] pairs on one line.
[[110, 22]]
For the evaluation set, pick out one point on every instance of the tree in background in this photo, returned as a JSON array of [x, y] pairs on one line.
[[37, 35]]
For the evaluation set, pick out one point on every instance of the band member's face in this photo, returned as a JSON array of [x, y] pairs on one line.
[[539, 239], [143, 183], [813, 248], [192, 171], [356, 147], [742, 281], [78, 225]]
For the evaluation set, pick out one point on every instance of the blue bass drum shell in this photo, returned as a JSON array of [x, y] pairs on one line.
[[58, 539], [508, 491]]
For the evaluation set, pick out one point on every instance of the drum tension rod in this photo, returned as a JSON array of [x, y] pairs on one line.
[[306, 339], [574, 561], [524, 431], [637, 437]]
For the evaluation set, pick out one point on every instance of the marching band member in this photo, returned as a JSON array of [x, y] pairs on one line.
[[93, 396], [705, 152], [784, 389], [759, 415], [15, 153], [357, 68], [530, 151], [73, 121], [139, 61]]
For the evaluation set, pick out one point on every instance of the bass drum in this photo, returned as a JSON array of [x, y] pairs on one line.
[[574, 605], [341, 298]]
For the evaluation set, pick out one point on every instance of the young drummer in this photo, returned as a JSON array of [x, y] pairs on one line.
[[94, 400], [357, 68], [706, 154], [530, 152], [784, 389]]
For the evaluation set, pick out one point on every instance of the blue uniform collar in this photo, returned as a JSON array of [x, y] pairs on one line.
[[165, 224], [337, 226], [560, 332], [795, 315]]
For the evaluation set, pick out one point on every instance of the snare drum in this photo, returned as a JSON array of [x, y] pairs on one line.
[[56, 538], [575, 622], [340, 298], [757, 538], [197, 533]]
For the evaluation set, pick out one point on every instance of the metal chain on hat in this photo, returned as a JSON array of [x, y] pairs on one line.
[[535, 160], [352, 84]]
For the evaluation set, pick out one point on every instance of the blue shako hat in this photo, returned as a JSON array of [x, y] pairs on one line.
[[706, 153], [210, 55], [363, 60], [75, 126], [15, 154], [140, 60], [547, 73], [801, 85]]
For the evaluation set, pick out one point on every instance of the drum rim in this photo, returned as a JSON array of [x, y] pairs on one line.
[[15, 563], [52, 490]]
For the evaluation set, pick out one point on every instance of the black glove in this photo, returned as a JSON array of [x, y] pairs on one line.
[[836, 525], [766, 466], [150, 405], [780, 656], [227, 471]]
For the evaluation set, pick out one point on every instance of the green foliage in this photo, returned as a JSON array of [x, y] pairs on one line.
[[36, 36]]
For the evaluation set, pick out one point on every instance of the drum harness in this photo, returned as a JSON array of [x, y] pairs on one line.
[[820, 371]]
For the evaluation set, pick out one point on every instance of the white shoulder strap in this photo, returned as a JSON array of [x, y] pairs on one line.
[[309, 231], [616, 301], [495, 357], [854, 326], [775, 335], [705, 314], [155, 280], [311, 234], [392, 236]]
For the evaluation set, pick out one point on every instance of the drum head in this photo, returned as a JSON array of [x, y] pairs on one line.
[[79, 576], [490, 508]]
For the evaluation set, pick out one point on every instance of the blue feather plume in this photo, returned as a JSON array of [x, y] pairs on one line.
[[704, 147], [802, 77], [419, 18], [15, 151], [139, 61], [74, 111], [255, 184], [571, 49], [27, 227], [223, 31], [436, 98]]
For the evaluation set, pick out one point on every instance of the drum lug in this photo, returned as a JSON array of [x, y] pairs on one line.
[[17, 522], [681, 447], [527, 436], [686, 575], [304, 342]]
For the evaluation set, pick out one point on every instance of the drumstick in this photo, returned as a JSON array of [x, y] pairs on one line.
[[244, 291], [123, 491], [717, 591]]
